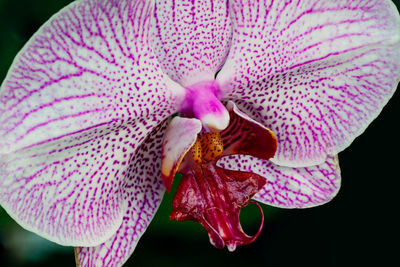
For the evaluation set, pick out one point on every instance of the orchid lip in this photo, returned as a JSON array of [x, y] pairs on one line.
[[219, 241], [211, 195], [214, 197]]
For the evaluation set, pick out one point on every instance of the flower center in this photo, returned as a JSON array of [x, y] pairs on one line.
[[203, 103], [209, 194]]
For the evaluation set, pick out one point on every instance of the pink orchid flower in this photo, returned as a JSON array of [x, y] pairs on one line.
[[268, 93]]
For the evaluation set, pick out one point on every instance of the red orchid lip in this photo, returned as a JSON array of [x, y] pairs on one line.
[[214, 196]]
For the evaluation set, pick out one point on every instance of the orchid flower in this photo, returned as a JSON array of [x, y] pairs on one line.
[[267, 94]]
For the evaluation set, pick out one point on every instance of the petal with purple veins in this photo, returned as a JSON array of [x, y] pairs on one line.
[[69, 190], [143, 191], [191, 38], [288, 187], [89, 65], [79, 99], [315, 72]]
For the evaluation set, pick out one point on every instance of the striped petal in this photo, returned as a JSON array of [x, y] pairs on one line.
[[288, 187], [315, 72], [90, 64], [79, 99], [247, 136], [143, 174], [191, 38], [69, 190]]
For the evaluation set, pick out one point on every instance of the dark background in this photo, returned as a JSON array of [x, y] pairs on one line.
[[358, 227]]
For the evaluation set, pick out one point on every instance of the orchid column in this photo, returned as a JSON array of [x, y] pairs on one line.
[[86, 105]]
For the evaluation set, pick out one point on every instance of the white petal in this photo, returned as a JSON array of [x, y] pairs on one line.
[[79, 99], [315, 72]]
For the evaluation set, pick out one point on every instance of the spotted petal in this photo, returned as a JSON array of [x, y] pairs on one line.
[[288, 187], [315, 72], [143, 174], [191, 38], [78, 100]]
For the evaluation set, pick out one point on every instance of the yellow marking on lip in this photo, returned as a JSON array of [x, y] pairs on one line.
[[196, 151], [207, 147]]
